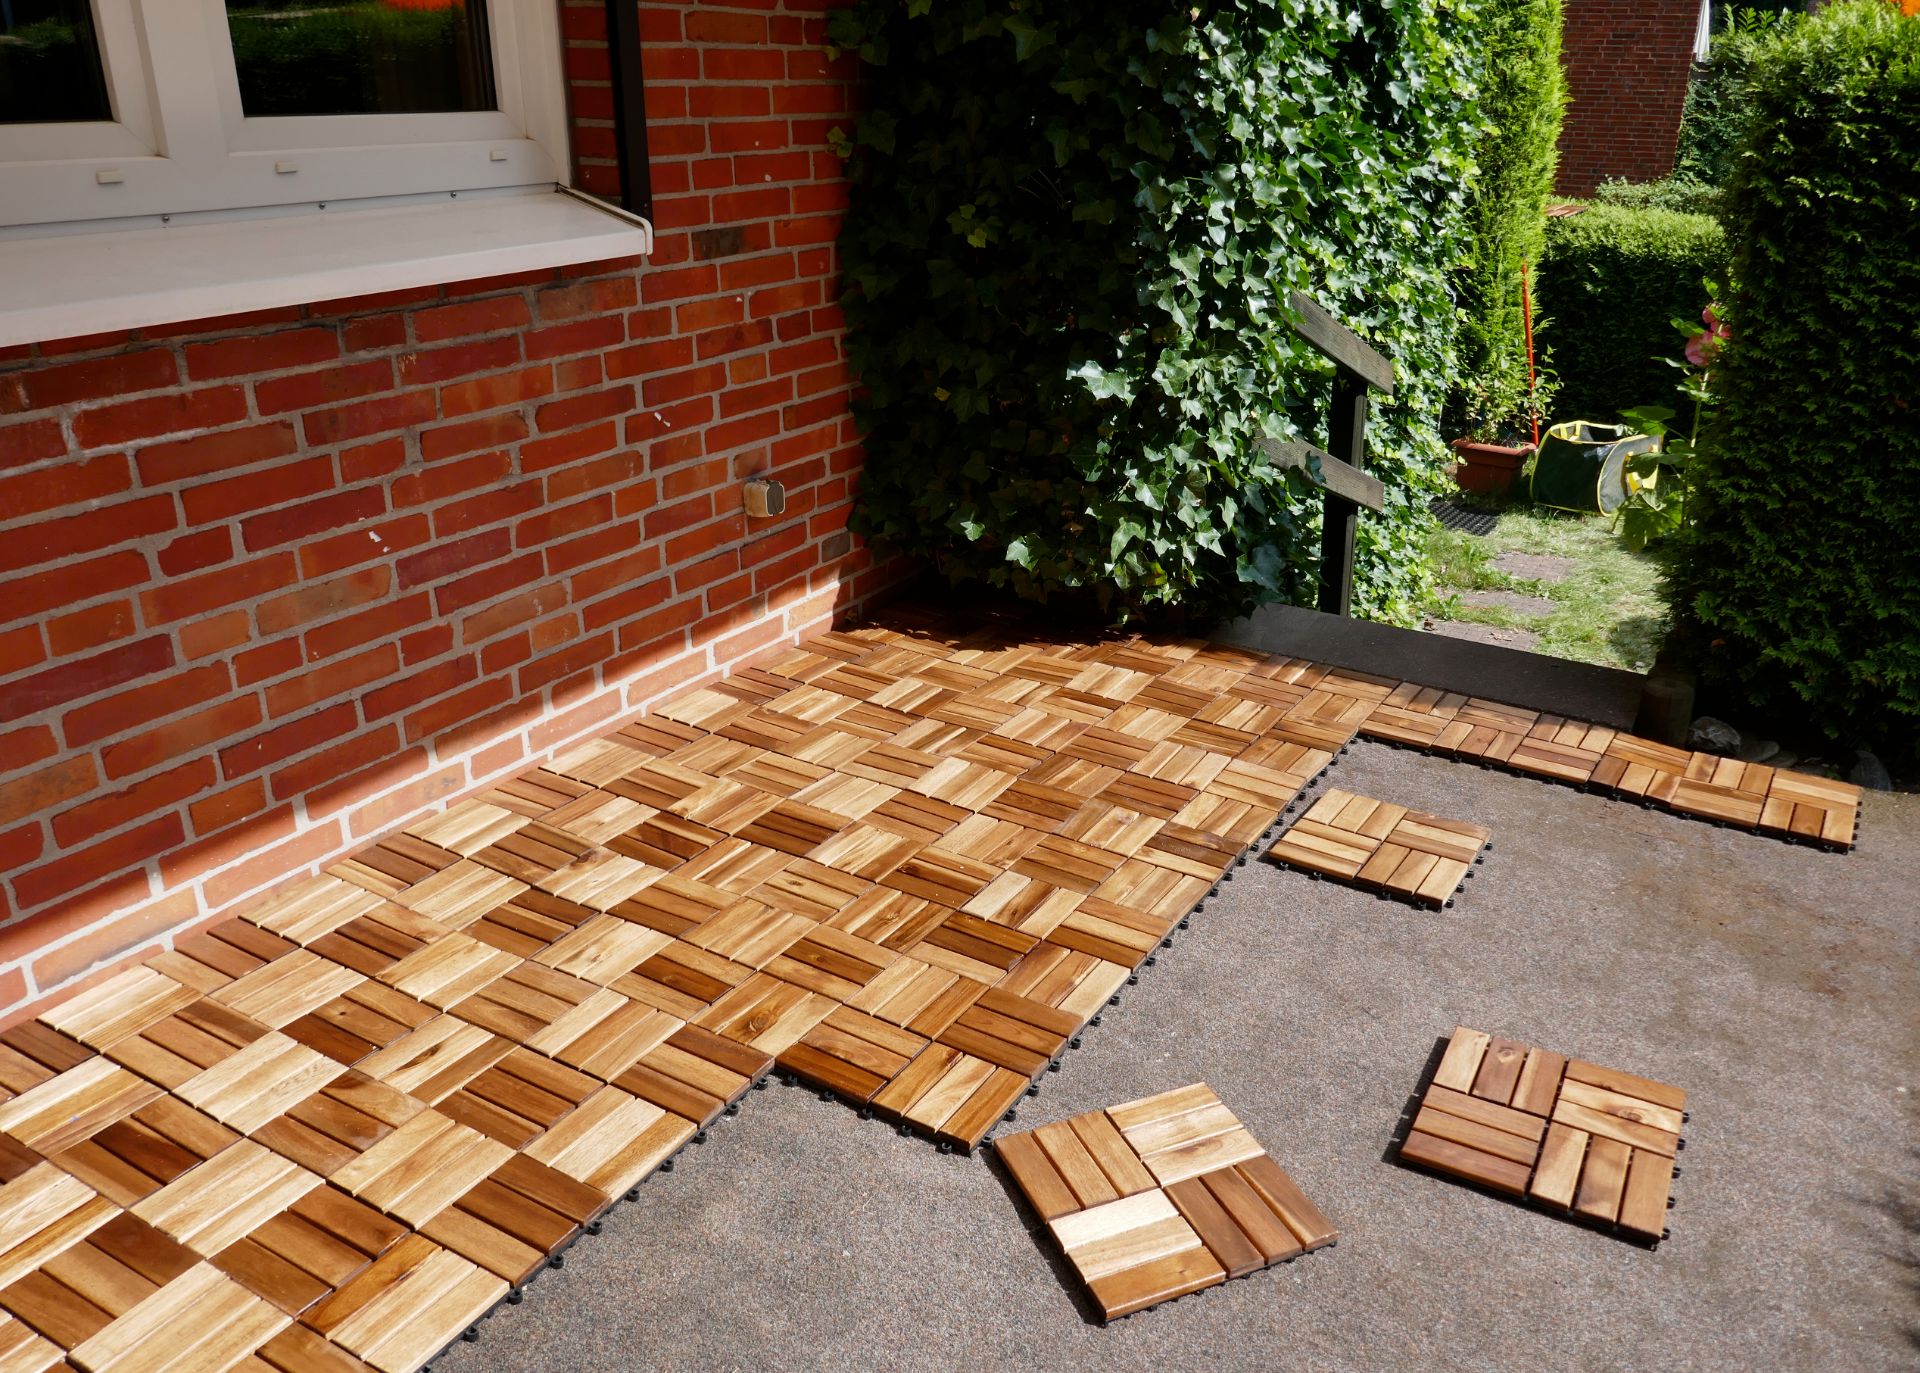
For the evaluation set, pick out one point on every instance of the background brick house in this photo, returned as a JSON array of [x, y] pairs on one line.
[[1628, 63]]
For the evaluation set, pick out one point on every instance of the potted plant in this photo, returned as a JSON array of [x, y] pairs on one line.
[[1499, 423]]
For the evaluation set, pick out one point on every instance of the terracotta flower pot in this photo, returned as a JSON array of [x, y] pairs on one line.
[[1488, 468]]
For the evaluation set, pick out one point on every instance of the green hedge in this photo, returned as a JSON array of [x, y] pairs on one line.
[[1718, 104], [1799, 573], [1523, 94], [1073, 231], [1613, 280]]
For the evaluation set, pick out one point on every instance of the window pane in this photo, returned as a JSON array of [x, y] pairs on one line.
[[50, 70], [362, 57]]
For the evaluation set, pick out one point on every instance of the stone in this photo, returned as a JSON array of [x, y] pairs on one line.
[[1534, 567], [1709, 735], [1511, 601], [1869, 772], [1759, 751], [1484, 634]]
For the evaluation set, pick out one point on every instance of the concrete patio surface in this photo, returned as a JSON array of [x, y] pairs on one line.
[[1779, 985]]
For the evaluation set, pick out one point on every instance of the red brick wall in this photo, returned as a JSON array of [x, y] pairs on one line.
[[271, 586], [1628, 63]]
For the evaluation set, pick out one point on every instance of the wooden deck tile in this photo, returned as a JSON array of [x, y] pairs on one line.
[[331, 1128], [122, 1005], [310, 1250], [1416, 857], [237, 1190], [134, 1157], [248, 1088], [402, 1309], [1569, 1136], [852, 1054], [192, 1039], [694, 1073], [519, 1098], [613, 1141], [211, 960], [359, 1022], [201, 1320], [43, 1213], [34, 1052], [509, 1222], [417, 1171], [75, 1105], [1160, 1197]]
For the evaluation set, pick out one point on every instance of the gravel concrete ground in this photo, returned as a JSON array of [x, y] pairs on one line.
[[1778, 985]]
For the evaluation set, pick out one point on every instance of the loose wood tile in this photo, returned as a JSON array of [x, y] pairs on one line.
[[1160, 1197], [1416, 857], [1570, 1136]]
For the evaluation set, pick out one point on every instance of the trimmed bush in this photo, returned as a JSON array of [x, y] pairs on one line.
[[1673, 193], [1523, 94], [1718, 102], [1613, 280], [1798, 574], [1073, 231]]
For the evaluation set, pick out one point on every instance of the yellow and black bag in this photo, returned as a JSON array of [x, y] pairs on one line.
[[1582, 467]]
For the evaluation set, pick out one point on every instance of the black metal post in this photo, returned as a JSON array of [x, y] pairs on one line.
[[629, 106], [1346, 440]]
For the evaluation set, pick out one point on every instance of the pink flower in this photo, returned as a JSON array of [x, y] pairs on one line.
[[1701, 348]]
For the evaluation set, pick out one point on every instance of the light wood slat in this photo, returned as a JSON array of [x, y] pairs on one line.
[[43, 1211], [202, 1320], [225, 1198], [1417, 857]]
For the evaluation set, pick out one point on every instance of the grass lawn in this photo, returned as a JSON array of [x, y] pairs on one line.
[[1608, 609]]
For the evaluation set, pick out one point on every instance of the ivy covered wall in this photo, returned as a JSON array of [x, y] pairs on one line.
[[1074, 227]]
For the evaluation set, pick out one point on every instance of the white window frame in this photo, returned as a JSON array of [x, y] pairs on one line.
[[179, 145]]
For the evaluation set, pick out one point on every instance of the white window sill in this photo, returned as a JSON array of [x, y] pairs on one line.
[[94, 280]]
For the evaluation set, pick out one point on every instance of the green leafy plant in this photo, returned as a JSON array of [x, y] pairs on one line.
[[1658, 482], [1796, 574], [1523, 95], [1613, 279], [1719, 100], [1072, 235], [1677, 192]]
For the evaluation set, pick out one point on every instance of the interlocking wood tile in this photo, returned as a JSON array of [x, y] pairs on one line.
[[951, 1095], [326, 1131], [80, 1291], [448, 970], [468, 827], [1570, 1136], [518, 1098], [612, 1141], [510, 1222], [34, 1052], [1161, 1197], [1381, 846], [267, 1078], [43, 1213], [372, 943], [237, 1190], [310, 1250], [852, 1054], [22, 1351], [406, 1305], [766, 1013], [359, 1021], [312, 908], [202, 1319], [192, 1039], [694, 1073], [209, 961], [457, 896], [134, 1157], [682, 980], [436, 1058], [417, 1171], [75, 1105], [122, 1005]]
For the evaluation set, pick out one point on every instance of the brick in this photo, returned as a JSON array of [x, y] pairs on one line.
[[201, 730], [491, 393], [192, 552], [204, 638], [486, 583], [39, 792], [272, 863], [328, 386], [580, 336], [108, 861], [336, 761], [83, 677], [470, 436], [485, 508], [445, 560], [557, 524], [658, 355], [461, 708], [415, 798], [308, 518], [204, 454], [225, 586], [325, 427], [31, 442], [230, 496], [100, 378], [105, 941], [110, 812], [471, 317], [275, 745], [612, 470], [265, 661], [480, 625], [373, 332], [21, 649], [333, 680], [71, 484], [324, 600], [326, 556], [254, 353], [140, 705], [89, 628], [151, 416], [461, 360], [212, 814], [446, 480], [418, 687], [381, 458], [426, 644], [537, 455], [587, 298], [574, 410]]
